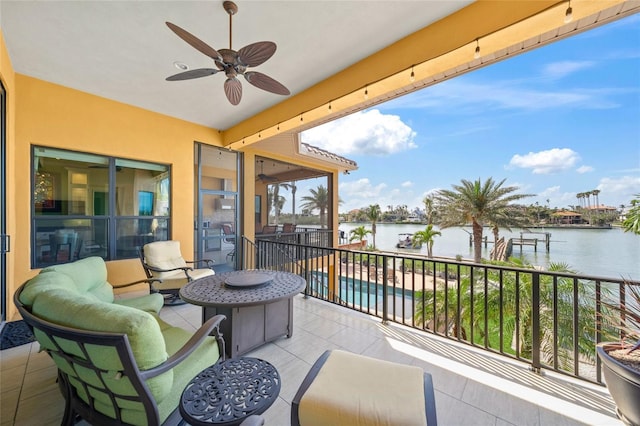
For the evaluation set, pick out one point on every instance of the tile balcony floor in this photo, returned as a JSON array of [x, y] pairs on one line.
[[471, 387]]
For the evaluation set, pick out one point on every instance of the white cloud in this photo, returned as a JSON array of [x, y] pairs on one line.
[[359, 193], [546, 162], [620, 190], [613, 192], [407, 184], [365, 132], [550, 192], [564, 68], [556, 197], [584, 169], [362, 193]]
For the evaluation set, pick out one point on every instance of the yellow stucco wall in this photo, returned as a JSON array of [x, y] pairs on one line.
[[51, 115]]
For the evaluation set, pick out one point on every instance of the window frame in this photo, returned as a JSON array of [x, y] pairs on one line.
[[111, 220]]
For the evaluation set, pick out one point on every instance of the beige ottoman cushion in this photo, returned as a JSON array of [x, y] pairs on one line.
[[355, 390]]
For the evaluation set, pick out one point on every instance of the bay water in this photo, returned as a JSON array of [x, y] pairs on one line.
[[607, 253]]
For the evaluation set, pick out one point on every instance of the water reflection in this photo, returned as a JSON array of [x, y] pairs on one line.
[[600, 252]]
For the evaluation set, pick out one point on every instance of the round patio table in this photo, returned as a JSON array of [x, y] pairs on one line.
[[230, 391], [258, 305]]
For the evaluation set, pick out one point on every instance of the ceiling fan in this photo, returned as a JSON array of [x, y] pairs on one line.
[[262, 177], [232, 63]]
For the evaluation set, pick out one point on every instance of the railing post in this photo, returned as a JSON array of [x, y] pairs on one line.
[[385, 302], [307, 272], [535, 323]]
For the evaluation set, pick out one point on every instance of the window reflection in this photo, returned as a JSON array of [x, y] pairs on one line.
[[78, 211]]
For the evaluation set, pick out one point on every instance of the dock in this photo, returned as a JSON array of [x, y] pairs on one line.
[[524, 240]]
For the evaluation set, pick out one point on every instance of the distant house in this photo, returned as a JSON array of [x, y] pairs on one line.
[[566, 217], [602, 209], [413, 218], [624, 211]]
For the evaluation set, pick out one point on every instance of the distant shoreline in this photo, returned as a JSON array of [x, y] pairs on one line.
[[553, 226], [570, 227]]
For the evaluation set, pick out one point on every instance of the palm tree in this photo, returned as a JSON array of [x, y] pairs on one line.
[[632, 221], [373, 214], [294, 188], [426, 236], [277, 199], [476, 203], [359, 234], [319, 199], [510, 300], [428, 208]]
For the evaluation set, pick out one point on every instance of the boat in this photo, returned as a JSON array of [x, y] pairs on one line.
[[405, 241]]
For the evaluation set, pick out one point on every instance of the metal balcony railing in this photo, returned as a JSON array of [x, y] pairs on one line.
[[549, 320], [303, 236]]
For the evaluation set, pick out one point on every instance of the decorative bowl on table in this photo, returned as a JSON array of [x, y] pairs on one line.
[[248, 280]]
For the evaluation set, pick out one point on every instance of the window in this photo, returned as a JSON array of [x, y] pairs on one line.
[[91, 205]]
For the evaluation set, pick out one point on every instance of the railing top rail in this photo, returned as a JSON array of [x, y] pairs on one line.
[[451, 261]]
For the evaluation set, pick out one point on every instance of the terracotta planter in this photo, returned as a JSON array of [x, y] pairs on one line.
[[623, 384]]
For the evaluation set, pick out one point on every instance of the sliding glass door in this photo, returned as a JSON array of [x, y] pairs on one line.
[[216, 221]]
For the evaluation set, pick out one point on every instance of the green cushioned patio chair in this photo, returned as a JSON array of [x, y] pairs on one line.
[[117, 364]]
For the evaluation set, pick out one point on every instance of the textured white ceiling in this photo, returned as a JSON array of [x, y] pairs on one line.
[[122, 50]]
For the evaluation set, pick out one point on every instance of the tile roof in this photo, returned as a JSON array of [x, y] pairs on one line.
[[314, 151]]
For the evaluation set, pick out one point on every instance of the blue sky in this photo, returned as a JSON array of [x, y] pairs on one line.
[[556, 121]]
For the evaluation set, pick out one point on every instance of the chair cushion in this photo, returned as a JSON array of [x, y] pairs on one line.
[[164, 255], [89, 275], [356, 390], [150, 302], [177, 280], [142, 329], [45, 282], [207, 354], [83, 278]]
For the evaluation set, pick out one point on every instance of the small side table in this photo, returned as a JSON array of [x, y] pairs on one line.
[[230, 391]]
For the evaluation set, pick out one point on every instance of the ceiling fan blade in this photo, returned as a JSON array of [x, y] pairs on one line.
[[264, 82], [233, 90], [194, 41], [188, 75], [256, 53]]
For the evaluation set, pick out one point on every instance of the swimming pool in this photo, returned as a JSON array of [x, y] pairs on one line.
[[357, 292]]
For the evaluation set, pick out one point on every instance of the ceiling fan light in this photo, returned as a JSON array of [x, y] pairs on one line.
[[181, 66]]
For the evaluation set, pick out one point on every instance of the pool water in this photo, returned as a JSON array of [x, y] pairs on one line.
[[359, 292]]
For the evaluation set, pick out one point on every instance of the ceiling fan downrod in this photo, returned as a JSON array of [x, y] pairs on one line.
[[231, 9]]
